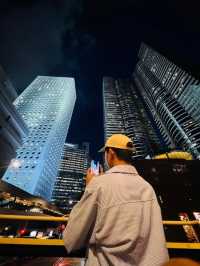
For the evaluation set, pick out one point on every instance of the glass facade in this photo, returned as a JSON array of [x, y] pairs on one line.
[[12, 126], [172, 77], [126, 113], [190, 100], [113, 119], [46, 106], [70, 182], [161, 84], [159, 108]]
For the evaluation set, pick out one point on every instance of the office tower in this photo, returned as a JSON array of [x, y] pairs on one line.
[[70, 183], [125, 113], [12, 126], [7, 86], [161, 84], [190, 100], [173, 78], [46, 106], [113, 119]]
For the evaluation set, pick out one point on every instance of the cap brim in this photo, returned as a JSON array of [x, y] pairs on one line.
[[102, 149], [129, 149]]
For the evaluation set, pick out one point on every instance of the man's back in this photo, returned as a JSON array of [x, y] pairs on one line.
[[128, 227]]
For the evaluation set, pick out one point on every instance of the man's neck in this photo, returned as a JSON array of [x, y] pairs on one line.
[[120, 163]]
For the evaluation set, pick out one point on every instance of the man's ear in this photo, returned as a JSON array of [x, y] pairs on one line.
[[111, 151]]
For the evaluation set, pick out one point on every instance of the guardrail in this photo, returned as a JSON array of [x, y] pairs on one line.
[[59, 242], [65, 219], [33, 218]]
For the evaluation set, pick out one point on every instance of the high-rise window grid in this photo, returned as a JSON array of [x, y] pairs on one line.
[[125, 113], [70, 182], [162, 84], [46, 107]]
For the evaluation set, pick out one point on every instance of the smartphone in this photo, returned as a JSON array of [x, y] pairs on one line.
[[95, 167]]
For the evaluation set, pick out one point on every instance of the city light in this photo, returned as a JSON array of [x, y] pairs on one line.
[[15, 163], [22, 231]]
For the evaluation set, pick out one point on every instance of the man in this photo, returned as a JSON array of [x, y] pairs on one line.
[[118, 217]]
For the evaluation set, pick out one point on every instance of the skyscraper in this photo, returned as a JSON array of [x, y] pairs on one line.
[[125, 112], [190, 100], [46, 106], [155, 108], [169, 75], [12, 126], [161, 84], [70, 183]]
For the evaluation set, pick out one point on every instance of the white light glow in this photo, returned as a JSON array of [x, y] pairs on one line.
[[15, 163]]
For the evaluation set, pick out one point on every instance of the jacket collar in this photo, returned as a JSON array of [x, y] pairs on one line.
[[124, 168]]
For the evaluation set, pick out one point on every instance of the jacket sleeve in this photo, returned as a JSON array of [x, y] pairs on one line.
[[81, 221]]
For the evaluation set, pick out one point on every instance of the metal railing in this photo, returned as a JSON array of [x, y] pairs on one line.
[[59, 242]]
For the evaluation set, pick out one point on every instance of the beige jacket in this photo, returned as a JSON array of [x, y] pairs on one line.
[[119, 219]]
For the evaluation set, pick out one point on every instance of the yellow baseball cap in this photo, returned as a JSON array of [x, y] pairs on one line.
[[119, 141]]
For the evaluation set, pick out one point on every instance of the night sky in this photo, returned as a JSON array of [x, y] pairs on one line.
[[92, 38]]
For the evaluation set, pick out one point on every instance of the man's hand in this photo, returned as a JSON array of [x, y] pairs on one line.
[[101, 172], [89, 176]]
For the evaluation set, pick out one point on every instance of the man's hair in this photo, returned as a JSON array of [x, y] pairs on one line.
[[122, 154]]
